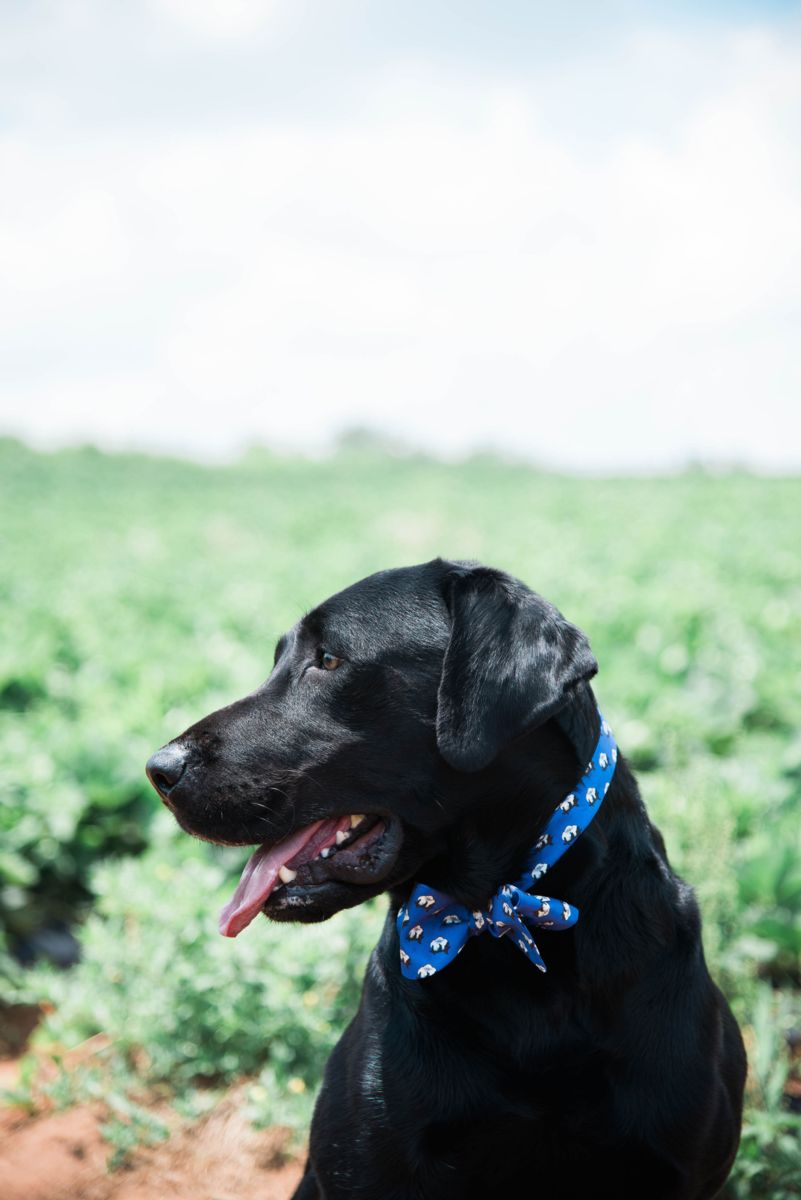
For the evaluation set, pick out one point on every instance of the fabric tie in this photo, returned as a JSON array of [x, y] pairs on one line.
[[433, 928]]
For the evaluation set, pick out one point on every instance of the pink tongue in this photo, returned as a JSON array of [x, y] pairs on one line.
[[258, 880]]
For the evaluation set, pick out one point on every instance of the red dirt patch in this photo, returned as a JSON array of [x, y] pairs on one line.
[[220, 1157]]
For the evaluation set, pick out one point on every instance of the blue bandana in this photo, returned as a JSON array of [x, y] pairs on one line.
[[433, 928]]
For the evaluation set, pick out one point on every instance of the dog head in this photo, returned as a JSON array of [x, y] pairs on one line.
[[385, 728]]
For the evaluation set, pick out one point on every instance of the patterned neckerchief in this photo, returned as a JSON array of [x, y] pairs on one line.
[[433, 928]]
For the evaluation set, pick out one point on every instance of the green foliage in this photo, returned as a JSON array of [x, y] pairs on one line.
[[11, 979], [770, 892], [769, 1164], [138, 594], [185, 1005], [129, 1126]]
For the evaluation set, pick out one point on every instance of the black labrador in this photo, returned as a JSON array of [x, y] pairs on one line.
[[422, 725]]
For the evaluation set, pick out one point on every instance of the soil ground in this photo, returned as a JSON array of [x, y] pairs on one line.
[[220, 1157], [63, 1155]]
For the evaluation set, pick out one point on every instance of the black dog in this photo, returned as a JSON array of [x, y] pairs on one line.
[[422, 725]]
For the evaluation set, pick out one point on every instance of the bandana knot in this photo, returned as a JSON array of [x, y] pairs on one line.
[[433, 928]]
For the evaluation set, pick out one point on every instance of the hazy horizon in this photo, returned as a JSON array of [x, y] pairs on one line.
[[374, 444]]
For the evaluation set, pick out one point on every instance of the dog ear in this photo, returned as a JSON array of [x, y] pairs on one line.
[[512, 662]]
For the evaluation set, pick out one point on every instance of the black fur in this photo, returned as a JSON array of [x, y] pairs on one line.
[[461, 713]]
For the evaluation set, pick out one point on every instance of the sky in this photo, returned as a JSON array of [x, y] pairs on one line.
[[570, 233]]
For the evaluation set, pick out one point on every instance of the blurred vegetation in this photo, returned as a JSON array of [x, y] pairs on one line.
[[137, 594]]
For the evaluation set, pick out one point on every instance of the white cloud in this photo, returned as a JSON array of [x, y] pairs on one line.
[[211, 20], [450, 267]]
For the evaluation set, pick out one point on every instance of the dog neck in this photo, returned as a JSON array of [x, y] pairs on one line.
[[505, 808], [620, 854]]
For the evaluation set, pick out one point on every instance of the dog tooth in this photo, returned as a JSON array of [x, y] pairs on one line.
[[286, 875], [326, 852], [355, 818], [341, 835]]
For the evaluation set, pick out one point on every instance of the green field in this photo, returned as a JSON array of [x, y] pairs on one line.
[[137, 594]]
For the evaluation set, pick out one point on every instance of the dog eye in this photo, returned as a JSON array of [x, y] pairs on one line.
[[329, 662]]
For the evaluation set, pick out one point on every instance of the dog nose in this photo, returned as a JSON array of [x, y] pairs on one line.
[[165, 768]]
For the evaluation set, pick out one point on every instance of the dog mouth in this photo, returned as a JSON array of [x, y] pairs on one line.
[[356, 848]]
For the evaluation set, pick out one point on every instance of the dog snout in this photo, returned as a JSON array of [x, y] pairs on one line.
[[166, 767]]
